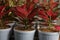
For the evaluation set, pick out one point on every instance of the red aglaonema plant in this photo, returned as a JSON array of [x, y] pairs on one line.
[[47, 13], [26, 12], [2, 13]]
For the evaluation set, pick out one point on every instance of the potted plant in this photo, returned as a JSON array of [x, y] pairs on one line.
[[25, 13], [4, 29], [47, 13]]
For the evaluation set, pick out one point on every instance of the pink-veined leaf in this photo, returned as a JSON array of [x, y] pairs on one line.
[[53, 5], [22, 11], [18, 13], [57, 27], [42, 14], [23, 6], [44, 17], [30, 7], [28, 1], [49, 12], [32, 14], [2, 9], [51, 1], [35, 1], [45, 1], [54, 16]]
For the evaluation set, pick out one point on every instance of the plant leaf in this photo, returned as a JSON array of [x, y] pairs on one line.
[[28, 1], [2, 8], [30, 7], [54, 16], [17, 13], [53, 5], [35, 1], [57, 27], [42, 14], [49, 12], [22, 11], [32, 14], [23, 6]]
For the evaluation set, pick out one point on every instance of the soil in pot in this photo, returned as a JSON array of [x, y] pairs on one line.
[[23, 28], [5, 27], [48, 33], [5, 32], [52, 29]]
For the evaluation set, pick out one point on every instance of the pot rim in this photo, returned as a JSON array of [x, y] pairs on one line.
[[48, 32], [24, 31], [5, 29]]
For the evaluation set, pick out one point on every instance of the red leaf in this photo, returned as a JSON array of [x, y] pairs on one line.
[[49, 12], [35, 1], [28, 1], [30, 7], [32, 14], [54, 16], [18, 13], [51, 1], [45, 1], [22, 11], [2, 8], [44, 17], [42, 14], [23, 6], [54, 4], [10, 10], [57, 27]]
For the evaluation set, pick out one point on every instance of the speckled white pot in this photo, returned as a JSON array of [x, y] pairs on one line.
[[4, 34], [48, 35], [24, 35]]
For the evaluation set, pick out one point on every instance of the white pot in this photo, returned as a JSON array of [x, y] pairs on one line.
[[48, 35], [4, 34], [24, 35]]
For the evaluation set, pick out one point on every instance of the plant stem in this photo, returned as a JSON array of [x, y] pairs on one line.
[[1, 23], [25, 22], [50, 23]]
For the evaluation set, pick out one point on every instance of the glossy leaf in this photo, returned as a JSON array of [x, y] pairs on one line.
[[2, 9], [53, 5], [57, 27], [54, 16], [35, 1], [43, 15], [22, 11], [33, 13], [28, 1], [30, 7], [50, 12]]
